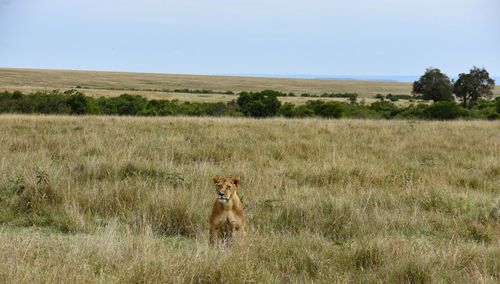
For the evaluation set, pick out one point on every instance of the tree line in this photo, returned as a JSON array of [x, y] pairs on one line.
[[248, 104]]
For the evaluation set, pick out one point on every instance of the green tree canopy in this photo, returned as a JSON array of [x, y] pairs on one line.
[[434, 85], [473, 85]]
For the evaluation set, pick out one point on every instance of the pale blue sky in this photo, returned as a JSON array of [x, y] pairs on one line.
[[318, 37]]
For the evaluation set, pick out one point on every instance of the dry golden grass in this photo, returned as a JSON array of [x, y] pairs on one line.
[[18, 78], [121, 199]]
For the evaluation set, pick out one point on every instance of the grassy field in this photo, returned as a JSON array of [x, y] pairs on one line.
[[119, 199], [49, 79], [110, 84]]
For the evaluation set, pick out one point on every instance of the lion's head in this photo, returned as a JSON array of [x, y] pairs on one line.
[[225, 187]]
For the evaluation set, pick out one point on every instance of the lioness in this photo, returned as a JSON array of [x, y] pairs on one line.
[[227, 212]]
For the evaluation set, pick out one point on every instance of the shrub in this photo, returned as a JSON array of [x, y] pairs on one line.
[[445, 111], [493, 115], [386, 109], [359, 111], [414, 111], [287, 110], [392, 98], [303, 111], [128, 104], [44, 102], [261, 104], [350, 96], [79, 103], [327, 109]]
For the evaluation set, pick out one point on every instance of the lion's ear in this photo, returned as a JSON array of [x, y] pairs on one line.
[[216, 179], [236, 180]]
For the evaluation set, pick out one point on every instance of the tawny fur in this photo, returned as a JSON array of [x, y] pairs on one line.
[[226, 220]]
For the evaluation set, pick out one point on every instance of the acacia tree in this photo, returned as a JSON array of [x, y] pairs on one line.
[[434, 85], [473, 85]]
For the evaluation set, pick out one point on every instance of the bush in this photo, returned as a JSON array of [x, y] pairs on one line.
[[360, 111], [327, 109], [414, 111], [394, 98], [350, 96], [128, 104], [385, 108], [303, 111], [122, 105], [79, 103], [261, 104], [445, 111], [493, 115], [10, 102], [287, 110]]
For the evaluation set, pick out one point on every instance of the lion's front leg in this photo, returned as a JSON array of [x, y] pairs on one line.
[[213, 234], [238, 231]]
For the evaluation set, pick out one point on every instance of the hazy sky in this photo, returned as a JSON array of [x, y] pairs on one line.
[[324, 37]]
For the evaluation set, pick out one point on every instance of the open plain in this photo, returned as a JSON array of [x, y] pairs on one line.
[[122, 199], [14, 78]]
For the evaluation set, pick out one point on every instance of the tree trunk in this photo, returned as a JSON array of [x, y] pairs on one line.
[[464, 101]]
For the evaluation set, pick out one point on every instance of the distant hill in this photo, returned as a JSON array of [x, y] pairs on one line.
[[365, 86], [12, 78], [388, 78], [381, 78]]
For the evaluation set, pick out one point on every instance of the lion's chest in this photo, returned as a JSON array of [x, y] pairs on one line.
[[226, 220]]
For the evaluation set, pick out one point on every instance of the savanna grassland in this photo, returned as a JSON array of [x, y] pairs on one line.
[[154, 86], [18, 79], [122, 199], [162, 86]]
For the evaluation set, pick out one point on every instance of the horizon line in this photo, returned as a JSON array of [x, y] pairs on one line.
[[380, 78]]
